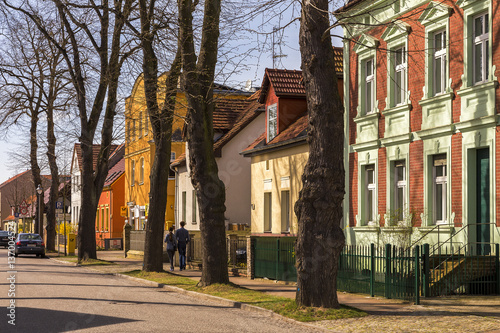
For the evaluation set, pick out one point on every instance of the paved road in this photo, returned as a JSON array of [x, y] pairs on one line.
[[53, 297]]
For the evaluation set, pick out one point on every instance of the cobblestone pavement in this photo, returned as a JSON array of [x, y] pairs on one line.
[[453, 314]]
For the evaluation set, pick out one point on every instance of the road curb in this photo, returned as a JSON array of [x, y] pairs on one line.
[[64, 262], [222, 301]]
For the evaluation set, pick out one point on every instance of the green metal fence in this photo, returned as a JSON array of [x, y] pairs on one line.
[[275, 258], [388, 272]]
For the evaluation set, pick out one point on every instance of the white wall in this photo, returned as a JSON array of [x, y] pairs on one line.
[[234, 171]]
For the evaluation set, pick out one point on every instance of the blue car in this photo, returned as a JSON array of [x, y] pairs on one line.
[[30, 244], [4, 238]]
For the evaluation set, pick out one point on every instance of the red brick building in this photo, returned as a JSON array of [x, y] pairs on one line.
[[421, 121]]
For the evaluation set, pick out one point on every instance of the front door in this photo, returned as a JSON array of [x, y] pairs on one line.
[[483, 201]]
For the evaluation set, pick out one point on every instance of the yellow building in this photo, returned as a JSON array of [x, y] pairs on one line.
[[140, 151]]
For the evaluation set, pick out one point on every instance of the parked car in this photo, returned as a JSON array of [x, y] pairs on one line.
[[4, 238], [29, 244]]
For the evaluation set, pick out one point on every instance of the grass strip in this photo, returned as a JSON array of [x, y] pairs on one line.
[[88, 262], [281, 305]]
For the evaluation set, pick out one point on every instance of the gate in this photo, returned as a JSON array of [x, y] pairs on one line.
[[275, 258]]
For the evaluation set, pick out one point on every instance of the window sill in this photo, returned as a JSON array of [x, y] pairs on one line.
[[367, 228]]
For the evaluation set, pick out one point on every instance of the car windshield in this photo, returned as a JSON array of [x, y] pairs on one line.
[[30, 237]]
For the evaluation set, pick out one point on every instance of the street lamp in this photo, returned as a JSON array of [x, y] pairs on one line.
[[39, 190]]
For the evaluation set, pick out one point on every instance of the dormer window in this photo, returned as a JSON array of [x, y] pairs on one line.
[[272, 121]]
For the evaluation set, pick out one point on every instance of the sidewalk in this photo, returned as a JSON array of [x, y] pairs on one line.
[[371, 305]]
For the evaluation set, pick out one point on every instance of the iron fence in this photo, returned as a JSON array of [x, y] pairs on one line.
[[275, 258]]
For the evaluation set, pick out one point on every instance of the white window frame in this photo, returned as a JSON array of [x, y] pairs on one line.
[[440, 181], [370, 188], [439, 57], [483, 41], [272, 121], [366, 49], [369, 85], [399, 70], [400, 184]]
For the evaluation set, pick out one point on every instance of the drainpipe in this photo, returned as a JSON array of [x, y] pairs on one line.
[[176, 196]]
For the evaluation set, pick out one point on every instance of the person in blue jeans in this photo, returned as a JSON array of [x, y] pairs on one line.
[[182, 236], [171, 246]]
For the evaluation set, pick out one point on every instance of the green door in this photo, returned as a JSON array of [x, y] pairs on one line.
[[483, 201]]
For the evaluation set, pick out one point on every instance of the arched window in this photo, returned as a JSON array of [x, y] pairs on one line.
[[141, 175], [132, 173]]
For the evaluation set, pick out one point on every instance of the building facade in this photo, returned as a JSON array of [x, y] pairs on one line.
[[421, 121], [236, 124]]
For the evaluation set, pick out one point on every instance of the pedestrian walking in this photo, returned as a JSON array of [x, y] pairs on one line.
[[182, 236], [171, 241]]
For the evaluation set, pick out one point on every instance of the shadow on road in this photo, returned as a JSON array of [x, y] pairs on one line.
[[41, 320]]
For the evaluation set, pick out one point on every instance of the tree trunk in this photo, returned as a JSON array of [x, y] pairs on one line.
[[54, 186], [210, 190], [35, 169], [319, 209], [161, 124]]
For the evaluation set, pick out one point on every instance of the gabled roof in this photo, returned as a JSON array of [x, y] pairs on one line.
[[95, 153], [293, 134], [10, 180], [244, 117], [285, 83], [115, 172], [227, 112]]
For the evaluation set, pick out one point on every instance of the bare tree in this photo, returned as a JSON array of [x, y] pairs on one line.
[[94, 55], [198, 73], [33, 84], [319, 208], [161, 118]]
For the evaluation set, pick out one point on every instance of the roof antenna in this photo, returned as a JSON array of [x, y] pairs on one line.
[[276, 56]]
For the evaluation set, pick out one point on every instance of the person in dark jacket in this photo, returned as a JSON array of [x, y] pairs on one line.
[[171, 241], [182, 236]]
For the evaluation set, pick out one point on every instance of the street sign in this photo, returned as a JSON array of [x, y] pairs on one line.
[[16, 215], [23, 208], [59, 205], [124, 211]]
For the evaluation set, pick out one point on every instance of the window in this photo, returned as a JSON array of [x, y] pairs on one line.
[[97, 220], [132, 173], [146, 127], [140, 124], [285, 211], [103, 221], [268, 213], [133, 130], [128, 132], [370, 197], [184, 206], [399, 190], [194, 207], [107, 218], [369, 86], [481, 43], [440, 180], [272, 121], [172, 155], [439, 63], [141, 172], [267, 165], [399, 61]]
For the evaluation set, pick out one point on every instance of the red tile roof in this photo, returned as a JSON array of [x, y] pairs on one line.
[[285, 83], [95, 153], [14, 178], [296, 132], [338, 60], [115, 172], [227, 112]]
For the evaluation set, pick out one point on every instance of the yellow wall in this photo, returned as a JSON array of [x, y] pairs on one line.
[[283, 163], [140, 145]]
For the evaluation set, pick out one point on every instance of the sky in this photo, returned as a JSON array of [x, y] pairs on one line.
[[290, 59]]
